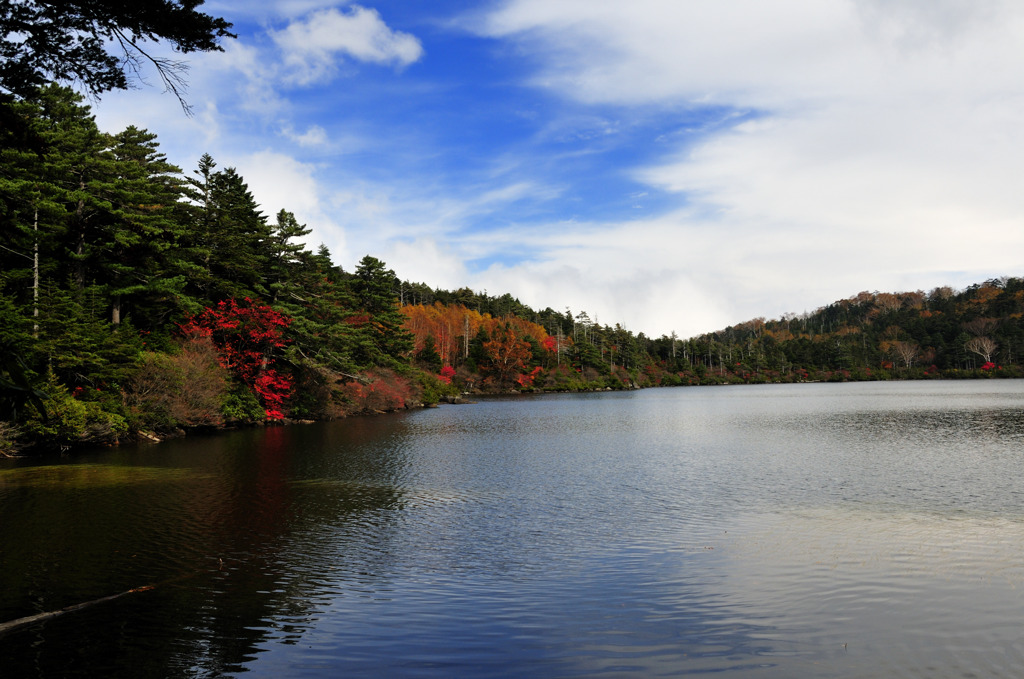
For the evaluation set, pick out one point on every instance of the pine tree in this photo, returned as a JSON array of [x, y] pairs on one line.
[[81, 348], [17, 388], [383, 339], [229, 236], [427, 356], [79, 164], [27, 206], [289, 264], [43, 40], [139, 259]]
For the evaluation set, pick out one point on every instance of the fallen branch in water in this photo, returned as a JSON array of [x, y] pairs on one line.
[[6, 627], [39, 617]]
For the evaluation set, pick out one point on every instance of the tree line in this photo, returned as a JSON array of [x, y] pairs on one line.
[[975, 332], [140, 299]]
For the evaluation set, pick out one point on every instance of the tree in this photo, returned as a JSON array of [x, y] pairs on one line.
[[982, 346], [322, 332], [27, 198], [78, 169], [507, 354], [383, 338], [80, 348], [287, 260], [229, 237], [904, 351], [248, 337], [886, 302], [139, 258], [16, 387], [66, 41], [428, 356], [980, 325]]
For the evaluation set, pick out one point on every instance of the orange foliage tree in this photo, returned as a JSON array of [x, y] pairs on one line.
[[508, 354], [453, 327]]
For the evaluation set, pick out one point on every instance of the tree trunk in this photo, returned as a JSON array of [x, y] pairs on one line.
[[35, 276], [80, 245]]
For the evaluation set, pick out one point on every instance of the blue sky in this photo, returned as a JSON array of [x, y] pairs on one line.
[[665, 164]]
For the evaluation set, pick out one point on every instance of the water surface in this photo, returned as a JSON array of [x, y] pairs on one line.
[[850, 530]]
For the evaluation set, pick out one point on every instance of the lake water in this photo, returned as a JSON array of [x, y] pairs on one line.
[[816, 530]]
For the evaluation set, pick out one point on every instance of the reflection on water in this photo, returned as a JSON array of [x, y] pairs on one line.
[[898, 594], [853, 530]]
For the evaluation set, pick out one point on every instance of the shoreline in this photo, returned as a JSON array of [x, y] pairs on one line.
[[153, 437]]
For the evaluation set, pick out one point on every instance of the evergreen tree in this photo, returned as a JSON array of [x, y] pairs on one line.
[[383, 338], [79, 164], [139, 259], [229, 237], [427, 356], [42, 40], [28, 207], [319, 298], [288, 262], [80, 348], [17, 387], [322, 262]]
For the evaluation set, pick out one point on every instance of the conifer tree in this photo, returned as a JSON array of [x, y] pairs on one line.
[[427, 356], [28, 209], [75, 174], [229, 235], [289, 264], [383, 338], [78, 345], [139, 258], [43, 40]]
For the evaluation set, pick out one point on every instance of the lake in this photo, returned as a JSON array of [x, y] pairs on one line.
[[808, 530]]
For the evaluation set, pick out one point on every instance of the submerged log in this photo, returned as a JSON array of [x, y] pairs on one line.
[[40, 617]]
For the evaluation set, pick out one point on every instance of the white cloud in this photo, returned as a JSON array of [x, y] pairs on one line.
[[882, 151], [255, 92], [312, 137], [280, 182], [311, 47], [260, 11], [426, 260], [751, 53]]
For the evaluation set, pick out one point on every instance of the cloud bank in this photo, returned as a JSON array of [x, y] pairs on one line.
[[878, 146], [669, 165]]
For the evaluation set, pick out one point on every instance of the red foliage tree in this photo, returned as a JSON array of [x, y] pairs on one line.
[[247, 335], [527, 379], [382, 391], [507, 353]]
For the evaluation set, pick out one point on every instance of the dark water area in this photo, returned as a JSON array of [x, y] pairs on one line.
[[847, 530]]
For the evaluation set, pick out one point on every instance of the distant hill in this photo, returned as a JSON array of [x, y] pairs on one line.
[[975, 332]]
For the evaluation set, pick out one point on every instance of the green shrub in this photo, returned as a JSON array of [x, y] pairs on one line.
[[71, 421], [432, 389], [241, 405], [8, 439]]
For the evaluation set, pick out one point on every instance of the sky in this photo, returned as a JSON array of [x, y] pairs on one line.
[[668, 165]]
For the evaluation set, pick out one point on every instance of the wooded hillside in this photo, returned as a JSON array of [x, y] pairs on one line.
[[138, 299], [976, 332]]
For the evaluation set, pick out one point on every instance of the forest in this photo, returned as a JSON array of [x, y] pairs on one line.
[[138, 300], [972, 333]]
